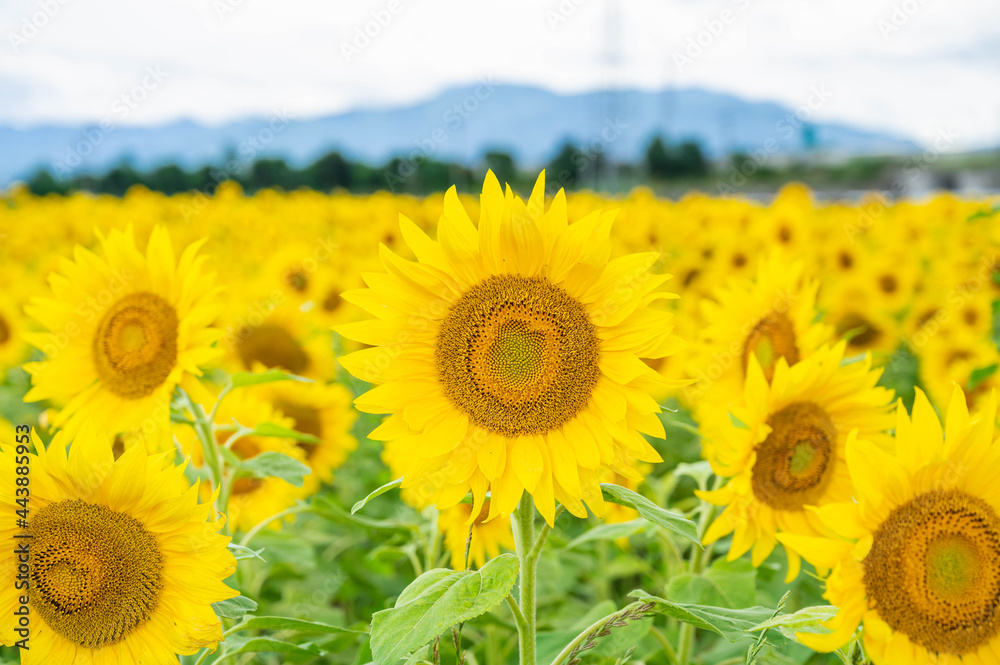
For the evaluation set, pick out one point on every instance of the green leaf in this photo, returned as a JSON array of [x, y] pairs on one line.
[[609, 532], [285, 623], [272, 463], [737, 422], [259, 644], [326, 508], [729, 584], [234, 608], [806, 620], [240, 552], [700, 472], [981, 214], [244, 379], [380, 491], [270, 429], [733, 625], [659, 516], [979, 375], [442, 598], [421, 584]]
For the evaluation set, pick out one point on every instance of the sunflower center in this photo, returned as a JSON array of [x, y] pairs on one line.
[[96, 574], [933, 571], [888, 284], [297, 279], [518, 355], [307, 420], [865, 333], [772, 338], [794, 461], [4, 331], [332, 301], [272, 346], [135, 347]]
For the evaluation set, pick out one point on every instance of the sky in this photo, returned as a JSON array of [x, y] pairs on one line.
[[917, 68]]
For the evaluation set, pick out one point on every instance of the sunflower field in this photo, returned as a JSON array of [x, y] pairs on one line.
[[305, 427]]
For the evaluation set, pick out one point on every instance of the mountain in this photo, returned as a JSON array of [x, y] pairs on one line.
[[459, 124]]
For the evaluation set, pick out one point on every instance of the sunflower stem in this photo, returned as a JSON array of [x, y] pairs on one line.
[[528, 557], [204, 429], [516, 611], [698, 560], [257, 528]]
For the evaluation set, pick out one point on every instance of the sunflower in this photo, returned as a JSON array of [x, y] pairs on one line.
[[123, 331], [770, 318], [323, 411], [508, 355], [273, 332], [487, 536], [124, 563], [252, 500], [916, 558], [13, 348], [786, 452]]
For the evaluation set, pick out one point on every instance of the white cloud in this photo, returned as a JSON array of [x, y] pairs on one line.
[[228, 59]]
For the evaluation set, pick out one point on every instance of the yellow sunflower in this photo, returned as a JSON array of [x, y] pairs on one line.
[[786, 452], [123, 330], [916, 558], [487, 536], [274, 332], [324, 411], [770, 318], [508, 355], [124, 563], [13, 348], [252, 500]]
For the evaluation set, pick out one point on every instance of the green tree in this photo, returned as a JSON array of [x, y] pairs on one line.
[[564, 169], [169, 179], [502, 165], [43, 183], [659, 164], [329, 172]]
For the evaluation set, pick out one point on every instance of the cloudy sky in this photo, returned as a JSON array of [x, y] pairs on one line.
[[915, 67]]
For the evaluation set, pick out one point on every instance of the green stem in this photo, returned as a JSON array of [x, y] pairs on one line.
[[248, 536], [528, 556], [536, 549], [668, 648], [203, 427], [201, 659], [516, 611], [699, 559]]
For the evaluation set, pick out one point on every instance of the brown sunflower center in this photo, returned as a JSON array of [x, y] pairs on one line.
[[272, 346], [518, 355], [332, 301], [863, 332], [795, 460], [4, 331], [888, 283], [297, 279], [307, 420], [772, 338], [244, 486], [933, 571], [96, 574], [135, 347]]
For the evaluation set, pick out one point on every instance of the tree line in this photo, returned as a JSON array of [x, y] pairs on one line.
[[573, 167]]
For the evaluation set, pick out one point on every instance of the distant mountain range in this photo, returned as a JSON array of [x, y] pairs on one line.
[[460, 124]]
